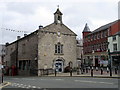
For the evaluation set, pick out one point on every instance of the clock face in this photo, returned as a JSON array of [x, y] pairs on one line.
[[58, 33]]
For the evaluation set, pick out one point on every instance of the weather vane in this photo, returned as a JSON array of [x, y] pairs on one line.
[[58, 6]]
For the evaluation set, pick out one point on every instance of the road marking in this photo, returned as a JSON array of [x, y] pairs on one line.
[[24, 86], [58, 79], [53, 79], [33, 86], [92, 82], [8, 83], [27, 79]]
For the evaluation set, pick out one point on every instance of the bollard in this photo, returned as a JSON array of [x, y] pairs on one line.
[[47, 72], [70, 72], [115, 70], [78, 71], [101, 71], [2, 77], [81, 71], [86, 70], [92, 72], [55, 72]]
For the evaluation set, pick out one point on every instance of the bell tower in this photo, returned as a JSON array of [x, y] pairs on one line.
[[58, 16]]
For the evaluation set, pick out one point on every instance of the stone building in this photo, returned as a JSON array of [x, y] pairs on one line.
[[50, 47], [2, 53]]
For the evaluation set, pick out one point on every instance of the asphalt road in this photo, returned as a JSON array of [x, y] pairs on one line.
[[60, 82]]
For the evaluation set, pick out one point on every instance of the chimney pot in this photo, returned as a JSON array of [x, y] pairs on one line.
[[40, 26], [18, 37]]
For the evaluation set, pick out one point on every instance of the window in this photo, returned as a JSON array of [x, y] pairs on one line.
[[114, 38], [59, 18], [98, 35], [23, 48], [103, 34], [114, 47], [58, 48], [95, 36], [106, 33], [24, 64]]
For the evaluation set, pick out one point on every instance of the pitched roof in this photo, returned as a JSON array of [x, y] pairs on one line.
[[86, 28], [104, 27], [63, 29], [58, 12]]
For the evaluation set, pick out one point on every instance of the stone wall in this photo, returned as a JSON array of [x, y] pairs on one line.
[[46, 47]]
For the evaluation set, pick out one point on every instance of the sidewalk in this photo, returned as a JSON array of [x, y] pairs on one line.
[[95, 74]]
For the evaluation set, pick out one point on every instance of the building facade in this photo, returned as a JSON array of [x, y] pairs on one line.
[[51, 47], [114, 47], [2, 53], [95, 43]]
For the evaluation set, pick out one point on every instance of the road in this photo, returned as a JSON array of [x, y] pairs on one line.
[[60, 82]]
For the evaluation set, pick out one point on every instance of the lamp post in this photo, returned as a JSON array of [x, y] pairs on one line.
[[70, 65], [109, 60]]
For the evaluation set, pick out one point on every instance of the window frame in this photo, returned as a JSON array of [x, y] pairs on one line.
[[58, 48]]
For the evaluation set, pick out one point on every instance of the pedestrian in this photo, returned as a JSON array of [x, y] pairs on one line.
[[101, 69]]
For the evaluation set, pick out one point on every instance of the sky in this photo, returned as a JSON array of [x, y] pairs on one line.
[[27, 15]]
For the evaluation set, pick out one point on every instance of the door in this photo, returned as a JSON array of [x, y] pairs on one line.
[[58, 64]]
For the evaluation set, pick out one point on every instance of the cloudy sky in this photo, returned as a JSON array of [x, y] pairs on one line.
[[27, 15]]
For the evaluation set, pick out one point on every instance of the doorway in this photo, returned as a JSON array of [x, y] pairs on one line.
[[58, 65]]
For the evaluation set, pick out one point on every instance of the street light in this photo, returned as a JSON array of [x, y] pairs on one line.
[[109, 60]]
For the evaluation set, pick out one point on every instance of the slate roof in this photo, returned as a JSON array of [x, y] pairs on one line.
[[86, 28], [58, 12], [104, 27]]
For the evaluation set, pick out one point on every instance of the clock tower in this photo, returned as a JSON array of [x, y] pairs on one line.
[[58, 17]]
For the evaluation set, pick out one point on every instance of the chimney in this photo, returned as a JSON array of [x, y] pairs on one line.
[[7, 44], [18, 37], [25, 35], [40, 26]]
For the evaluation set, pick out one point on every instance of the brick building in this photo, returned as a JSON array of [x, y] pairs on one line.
[[95, 43], [50, 47]]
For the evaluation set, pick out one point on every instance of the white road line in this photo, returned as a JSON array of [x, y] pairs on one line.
[[58, 79], [53, 79], [15, 78], [106, 82], [28, 79], [39, 87], [92, 82], [21, 84], [33, 86], [24, 86]]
